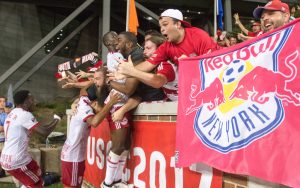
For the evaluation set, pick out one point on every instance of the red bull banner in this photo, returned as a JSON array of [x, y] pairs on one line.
[[152, 161], [239, 108]]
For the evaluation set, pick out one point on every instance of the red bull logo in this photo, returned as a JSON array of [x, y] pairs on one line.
[[249, 87], [242, 93]]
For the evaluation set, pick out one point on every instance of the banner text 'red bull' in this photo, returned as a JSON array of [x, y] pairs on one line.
[[237, 107]]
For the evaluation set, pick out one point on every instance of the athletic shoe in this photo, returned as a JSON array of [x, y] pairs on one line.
[[104, 185], [123, 185]]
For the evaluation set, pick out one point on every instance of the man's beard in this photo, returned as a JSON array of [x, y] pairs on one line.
[[275, 25]]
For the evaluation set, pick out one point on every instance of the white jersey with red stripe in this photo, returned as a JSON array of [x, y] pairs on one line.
[[169, 70], [17, 128], [112, 65], [75, 146]]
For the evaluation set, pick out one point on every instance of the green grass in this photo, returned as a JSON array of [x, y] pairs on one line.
[[56, 185], [10, 185]]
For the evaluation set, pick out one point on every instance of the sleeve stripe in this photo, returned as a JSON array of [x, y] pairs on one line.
[[84, 119], [34, 126]]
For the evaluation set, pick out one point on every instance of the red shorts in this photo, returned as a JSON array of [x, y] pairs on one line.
[[72, 173], [29, 175], [118, 125]]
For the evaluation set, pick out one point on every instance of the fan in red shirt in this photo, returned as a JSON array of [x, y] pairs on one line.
[[183, 40]]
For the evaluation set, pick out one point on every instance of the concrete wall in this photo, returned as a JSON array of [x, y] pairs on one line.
[[19, 31]]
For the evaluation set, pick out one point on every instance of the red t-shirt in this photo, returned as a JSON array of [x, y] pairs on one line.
[[252, 34], [196, 42], [169, 70]]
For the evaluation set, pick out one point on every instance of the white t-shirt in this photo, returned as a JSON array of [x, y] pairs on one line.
[[17, 128], [75, 146], [112, 65]]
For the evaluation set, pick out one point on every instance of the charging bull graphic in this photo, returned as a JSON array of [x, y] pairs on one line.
[[233, 102], [213, 95], [239, 107], [249, 87]]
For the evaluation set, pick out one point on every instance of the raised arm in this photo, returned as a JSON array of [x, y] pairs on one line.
[[239, 23], [94, 121], [128, 88], [77, 84], [81, 74], [45, 130], [132, 103], [124, 67], [151, 79], [243, 37]]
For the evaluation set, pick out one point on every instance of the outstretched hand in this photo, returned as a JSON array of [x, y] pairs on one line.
[[111, 76], [125, 68], [68, 82], [68, 85], [237, 18], [117, 116], [81, 74], [74, 107], [182, 56], [115, 97]]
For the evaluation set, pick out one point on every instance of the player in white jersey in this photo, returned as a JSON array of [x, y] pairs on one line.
[[119, 116], [110, 40], [15, 158], [89, 113]]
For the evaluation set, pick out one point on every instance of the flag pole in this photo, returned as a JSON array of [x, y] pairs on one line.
[[215, 17], [127, 14]]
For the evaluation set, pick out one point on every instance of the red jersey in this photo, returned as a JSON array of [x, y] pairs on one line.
[[169, 70], [196, 42], [252, 34]]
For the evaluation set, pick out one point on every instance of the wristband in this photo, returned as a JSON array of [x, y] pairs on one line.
[[56, 117]]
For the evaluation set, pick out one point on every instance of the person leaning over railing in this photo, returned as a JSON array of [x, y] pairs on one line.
[[183, 40]]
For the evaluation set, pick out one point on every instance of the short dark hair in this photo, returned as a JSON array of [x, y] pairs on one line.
[[152, 32], [21, 96], [130, 37], [106, 36]]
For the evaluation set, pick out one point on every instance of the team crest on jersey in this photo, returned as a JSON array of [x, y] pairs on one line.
[[240, 99]]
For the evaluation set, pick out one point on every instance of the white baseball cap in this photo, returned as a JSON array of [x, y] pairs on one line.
[[174, 13]]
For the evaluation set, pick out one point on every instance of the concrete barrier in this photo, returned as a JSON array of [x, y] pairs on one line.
[[51, 159]]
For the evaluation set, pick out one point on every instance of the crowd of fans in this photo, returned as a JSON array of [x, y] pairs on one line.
[[131, 75], [250, 30]]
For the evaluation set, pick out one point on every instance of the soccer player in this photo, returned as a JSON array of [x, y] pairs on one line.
[[119, 126], [74, 149], [18, 125]]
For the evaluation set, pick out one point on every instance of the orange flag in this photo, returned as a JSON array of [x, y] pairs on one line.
[[133, 22]]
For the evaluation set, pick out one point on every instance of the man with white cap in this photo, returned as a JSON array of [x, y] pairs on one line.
[[273, 15], [183, 40]]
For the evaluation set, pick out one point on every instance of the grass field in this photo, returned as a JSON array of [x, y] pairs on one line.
[[9, 185]]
